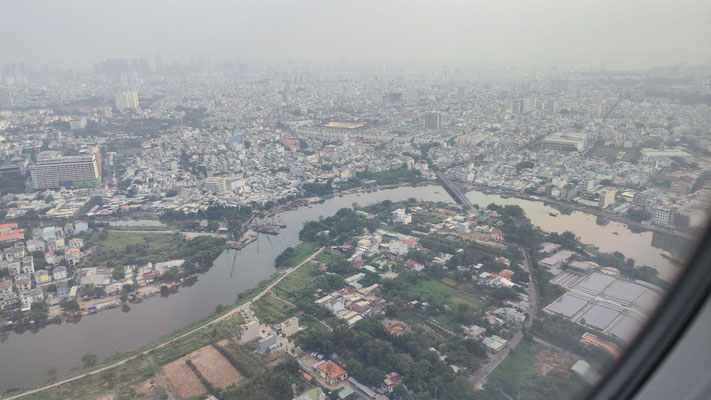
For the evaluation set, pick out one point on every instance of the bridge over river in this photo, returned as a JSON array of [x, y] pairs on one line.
[[454, 191]]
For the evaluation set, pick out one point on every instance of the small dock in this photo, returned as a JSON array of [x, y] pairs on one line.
[[240, 244]]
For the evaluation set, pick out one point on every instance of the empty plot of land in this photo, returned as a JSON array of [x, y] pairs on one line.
[[215, 367], [567, 305], [599, 316], [595, 283], [181, 379]]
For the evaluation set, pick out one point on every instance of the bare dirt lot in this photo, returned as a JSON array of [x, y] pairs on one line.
[[547, 361], [181, 379], [215, 367]]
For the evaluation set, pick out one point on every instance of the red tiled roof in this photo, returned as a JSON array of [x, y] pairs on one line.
[[14, 234], [331, 369]]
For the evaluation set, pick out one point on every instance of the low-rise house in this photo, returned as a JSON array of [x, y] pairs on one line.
[[77, 243], [51, 258], [81, 226], [250, 331], [14, 268], [42, 277], [72, 255], [392, 380], [9, 302], [35, 245], [413, 265], [28, 265], [474, 331], [494, 343], [497, 235], [59, 273], [23, 284], [62, 290], [289, 327], [5, 289], [331, 372], [268, 344]]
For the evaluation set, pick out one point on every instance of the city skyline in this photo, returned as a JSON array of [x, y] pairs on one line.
[[456, 33]]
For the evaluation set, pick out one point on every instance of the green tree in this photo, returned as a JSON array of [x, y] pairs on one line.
[[89, 360]]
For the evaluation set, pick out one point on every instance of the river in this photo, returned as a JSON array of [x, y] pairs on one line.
[[612, 237], [25, 358]]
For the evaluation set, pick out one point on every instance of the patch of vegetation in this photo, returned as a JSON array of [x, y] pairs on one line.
[[118, 249], [517, 378], [271, 309]]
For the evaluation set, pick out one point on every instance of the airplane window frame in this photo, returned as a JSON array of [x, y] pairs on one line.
[[662, 330]]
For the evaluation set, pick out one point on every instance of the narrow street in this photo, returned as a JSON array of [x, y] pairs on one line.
[[478, 379]]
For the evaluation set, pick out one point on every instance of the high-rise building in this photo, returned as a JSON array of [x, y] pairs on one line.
[[5, 99], [560, 85], [127, 100], [216, 184], [664, 216], [527, 105], [52, 170], [433, 120], [159, 64], [607, 197], [113, 67], [77, 124], [566, 141], [516, 107], [461, 93], [107, 112]]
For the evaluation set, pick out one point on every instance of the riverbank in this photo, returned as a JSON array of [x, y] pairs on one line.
[[108, 333], [686, 234], [174, 340]]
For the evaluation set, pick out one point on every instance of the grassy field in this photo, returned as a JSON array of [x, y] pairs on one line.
[[135, 248], [271, 309], [442, 293], [302, 252], [299, 278], [517, 369], [120, 379], [241, 358]]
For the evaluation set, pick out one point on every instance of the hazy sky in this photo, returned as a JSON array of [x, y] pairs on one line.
[[614, 33]]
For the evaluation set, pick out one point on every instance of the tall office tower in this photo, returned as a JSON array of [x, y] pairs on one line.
[[596, 110], [52, 170], [607, 197], [113, 67], [107, 112], [133, 100], [143, 67], [159, 65], [527, 106], [516, 106], [126, 100], [560, 85], [461, 92], [433, 120], [5, 99]]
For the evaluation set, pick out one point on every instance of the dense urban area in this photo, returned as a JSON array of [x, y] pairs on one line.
[[129, 182]]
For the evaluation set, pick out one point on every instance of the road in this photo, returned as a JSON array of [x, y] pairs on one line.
[[232, 312], [479, 377]]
